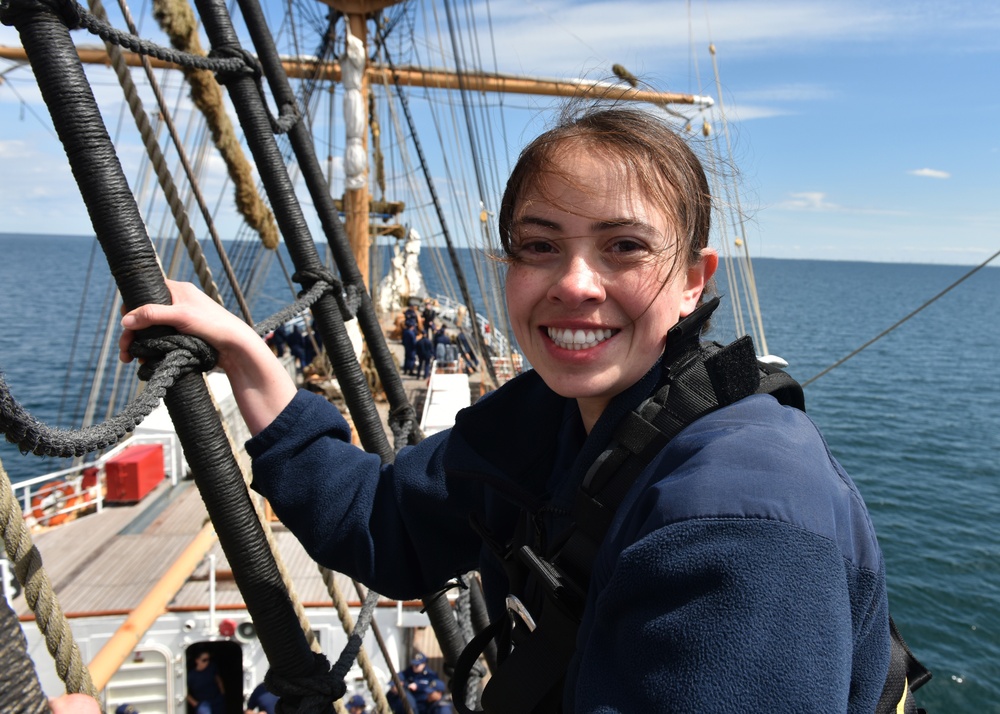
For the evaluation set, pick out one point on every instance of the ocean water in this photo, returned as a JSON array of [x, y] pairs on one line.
[[914, 418]]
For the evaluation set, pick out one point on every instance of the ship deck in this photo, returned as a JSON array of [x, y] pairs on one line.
[[106, 562]]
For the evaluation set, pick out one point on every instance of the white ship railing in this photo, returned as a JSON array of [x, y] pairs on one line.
[[507, 361], [76, 498]]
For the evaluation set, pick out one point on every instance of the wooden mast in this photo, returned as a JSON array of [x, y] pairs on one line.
[[356, 200]]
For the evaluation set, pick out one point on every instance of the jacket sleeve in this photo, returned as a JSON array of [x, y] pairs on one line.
[[742, 574], [731, 615], [400, 528]]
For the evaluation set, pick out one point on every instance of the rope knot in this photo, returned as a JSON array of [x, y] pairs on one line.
[[308, 277], [250, 64], [288, 117], [188, 354], [71, 12], [314, 692]]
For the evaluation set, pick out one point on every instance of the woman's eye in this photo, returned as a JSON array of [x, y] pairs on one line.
[[533, 248], [627, 246]]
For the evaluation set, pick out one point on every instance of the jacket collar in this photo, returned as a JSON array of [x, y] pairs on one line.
[[507, 438]]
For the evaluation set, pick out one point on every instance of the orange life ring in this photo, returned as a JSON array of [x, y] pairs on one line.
[[52, 498]]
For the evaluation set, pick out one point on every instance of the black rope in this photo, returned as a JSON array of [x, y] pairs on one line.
[[76, 17], [132, 260], [355, 300], [292, 224], [20, 690]]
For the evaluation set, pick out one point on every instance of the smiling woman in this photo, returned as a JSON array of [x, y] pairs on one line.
[[738, 560]]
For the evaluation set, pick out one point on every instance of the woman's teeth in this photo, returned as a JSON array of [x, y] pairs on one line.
[[578, 339]]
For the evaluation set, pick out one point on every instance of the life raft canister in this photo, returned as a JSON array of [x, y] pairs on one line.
[[55, 503]]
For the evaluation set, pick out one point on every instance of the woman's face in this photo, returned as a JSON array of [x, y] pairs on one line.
[[595, 283]]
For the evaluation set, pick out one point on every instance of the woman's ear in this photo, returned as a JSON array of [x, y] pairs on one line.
[[698, 276]]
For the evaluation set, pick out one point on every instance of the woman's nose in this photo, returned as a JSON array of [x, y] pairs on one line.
[[577, 282]]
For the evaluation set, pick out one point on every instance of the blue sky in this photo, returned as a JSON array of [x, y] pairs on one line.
[[861, 130]]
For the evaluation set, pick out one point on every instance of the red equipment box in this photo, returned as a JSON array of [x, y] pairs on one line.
[[134, 472]]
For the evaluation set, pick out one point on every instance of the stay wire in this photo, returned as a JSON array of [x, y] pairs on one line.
[[899, 322]]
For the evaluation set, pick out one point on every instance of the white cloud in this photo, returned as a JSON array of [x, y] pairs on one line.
[[808, 201], [816, 202], [14, 149], [567, 35], [798, 92], [930, 173]]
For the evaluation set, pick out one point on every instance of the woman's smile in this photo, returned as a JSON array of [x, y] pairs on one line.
[[578, 339]]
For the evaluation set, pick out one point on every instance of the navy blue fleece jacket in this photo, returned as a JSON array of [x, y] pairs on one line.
[[741, 573]]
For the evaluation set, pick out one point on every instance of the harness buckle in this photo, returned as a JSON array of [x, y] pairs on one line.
[[517, 609]]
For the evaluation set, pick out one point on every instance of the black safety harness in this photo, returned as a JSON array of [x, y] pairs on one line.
[[539, 641]]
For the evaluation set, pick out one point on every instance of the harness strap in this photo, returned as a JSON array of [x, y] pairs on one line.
[[905, 675], [531, 677]]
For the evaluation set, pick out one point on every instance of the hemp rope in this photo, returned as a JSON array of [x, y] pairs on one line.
[[177, 19], [38, 593], [374, 685]]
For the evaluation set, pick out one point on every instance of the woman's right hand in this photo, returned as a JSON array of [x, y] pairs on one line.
[[261, 384], [192, 312]]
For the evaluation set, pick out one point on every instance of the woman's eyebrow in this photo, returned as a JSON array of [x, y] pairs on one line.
[[536, 221], [639, 226], [597, 226]]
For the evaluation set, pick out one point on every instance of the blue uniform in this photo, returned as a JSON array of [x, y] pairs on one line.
[[740, 573], [425, 353], [204, 688], [424, 683], [262, 700], [409, 350]]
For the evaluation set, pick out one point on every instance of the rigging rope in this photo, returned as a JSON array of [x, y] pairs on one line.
[[303, 675], [20, 690], [28, 569], [903, 319], [178, 21], [170, 357], [340, 603], [357, 394], [190, 241], [159, 162]]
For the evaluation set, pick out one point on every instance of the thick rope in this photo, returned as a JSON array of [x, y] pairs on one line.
[[364, 414], [133, 263], [38, 593], [20, 690], [75, 17], [463, 614], [286, 578], [177, 19], [177, 209], [169, 358]]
